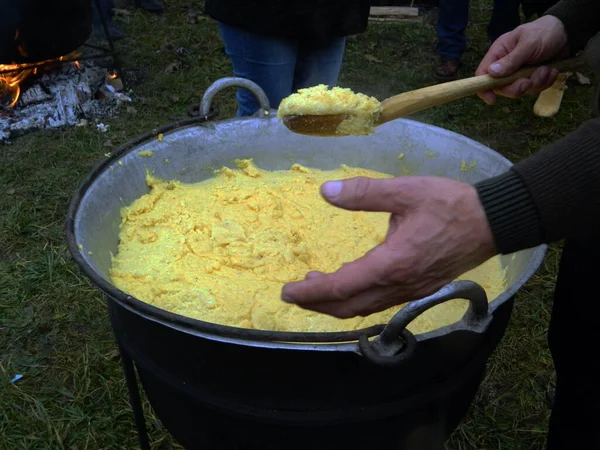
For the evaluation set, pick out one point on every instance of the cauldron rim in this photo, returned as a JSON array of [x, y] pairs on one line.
[[332, 341]]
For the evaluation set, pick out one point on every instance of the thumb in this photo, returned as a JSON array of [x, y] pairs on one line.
[[512, 62], [366, 194]]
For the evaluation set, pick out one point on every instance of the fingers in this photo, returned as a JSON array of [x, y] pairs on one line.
[[368, 302], [498, 50], [488, 96], [541, 79], [516, 89], [366, 194], [506, 55], [512, 55], [313, 274], [350, 280], [512, 61]]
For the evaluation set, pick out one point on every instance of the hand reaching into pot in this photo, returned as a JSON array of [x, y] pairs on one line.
[[531, 43], [438, 230]]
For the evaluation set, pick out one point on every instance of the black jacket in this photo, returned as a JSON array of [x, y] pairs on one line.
[[296, 19]]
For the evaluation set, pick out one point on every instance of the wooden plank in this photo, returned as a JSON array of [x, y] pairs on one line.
[[395, 19], [396, 11]]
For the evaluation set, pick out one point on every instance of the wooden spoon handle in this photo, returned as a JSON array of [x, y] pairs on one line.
[[420, 99]]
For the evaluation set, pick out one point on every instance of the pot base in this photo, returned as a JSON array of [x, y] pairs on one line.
[[196, 426], [229, 399]]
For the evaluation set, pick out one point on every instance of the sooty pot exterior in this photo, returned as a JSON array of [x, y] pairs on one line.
[[256, 398], [32, 31]]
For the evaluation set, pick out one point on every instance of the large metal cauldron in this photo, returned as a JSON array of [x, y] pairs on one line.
[[218, 387], [36, 30]]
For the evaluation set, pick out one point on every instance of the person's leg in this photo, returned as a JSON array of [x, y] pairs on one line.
[[452, 22], [505, 18], [319, 63], [574, 336], [268, 61], [106, 10]]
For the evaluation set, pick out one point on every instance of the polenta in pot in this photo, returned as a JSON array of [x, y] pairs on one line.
[[222, 249]]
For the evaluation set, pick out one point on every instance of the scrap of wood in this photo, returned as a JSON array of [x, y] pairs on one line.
[[394, 14], [549, 100], [397, 11], [395, 19]]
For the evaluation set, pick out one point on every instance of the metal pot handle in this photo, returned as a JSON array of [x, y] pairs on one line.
[[224, 83], [395, 344]]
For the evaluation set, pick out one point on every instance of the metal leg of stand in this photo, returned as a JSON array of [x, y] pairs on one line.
[[134, 398], [111, 46], [103, 21], [119, 68]]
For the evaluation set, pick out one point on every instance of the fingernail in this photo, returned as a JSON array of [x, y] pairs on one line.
[[496, 68], [524, 88], [554, 73], [332, 189], [287, 299]]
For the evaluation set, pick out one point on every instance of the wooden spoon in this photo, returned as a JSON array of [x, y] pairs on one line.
[[414, 101]]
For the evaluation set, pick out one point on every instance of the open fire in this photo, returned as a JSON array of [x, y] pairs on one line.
[[39, 88], [56, 93], [12, 76]]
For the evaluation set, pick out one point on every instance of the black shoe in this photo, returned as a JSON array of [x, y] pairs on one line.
[[154, 6]]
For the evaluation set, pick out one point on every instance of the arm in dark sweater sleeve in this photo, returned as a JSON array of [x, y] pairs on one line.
[[580, 19], [552, 195]]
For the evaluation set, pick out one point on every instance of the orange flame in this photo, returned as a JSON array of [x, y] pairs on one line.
[[17, 73]]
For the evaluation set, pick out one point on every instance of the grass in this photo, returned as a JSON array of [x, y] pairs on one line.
[[53, 324]]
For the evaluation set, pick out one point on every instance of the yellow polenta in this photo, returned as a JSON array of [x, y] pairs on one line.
[[221, 250], [362, 110]]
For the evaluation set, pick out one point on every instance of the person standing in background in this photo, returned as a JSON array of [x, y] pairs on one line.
[[454, 18], [286, 45], [103, 9]]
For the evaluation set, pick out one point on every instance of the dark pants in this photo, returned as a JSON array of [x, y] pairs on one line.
[[454, 18], [280, 66], [574, 339]]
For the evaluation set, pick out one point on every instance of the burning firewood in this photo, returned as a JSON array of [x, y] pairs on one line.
[[66, 96]]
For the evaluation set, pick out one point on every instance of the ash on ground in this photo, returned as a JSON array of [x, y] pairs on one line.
[[65, 97]]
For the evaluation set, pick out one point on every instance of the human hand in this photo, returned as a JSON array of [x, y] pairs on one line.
[[531, 43], [438, 230]]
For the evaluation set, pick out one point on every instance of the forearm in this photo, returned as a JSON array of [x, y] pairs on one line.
[[581, 19], [552, 195]]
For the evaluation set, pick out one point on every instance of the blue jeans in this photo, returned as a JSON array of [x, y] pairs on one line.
[[454, 18], [279, 66]]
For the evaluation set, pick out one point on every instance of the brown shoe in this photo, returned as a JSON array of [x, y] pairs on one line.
[[447, 69]]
